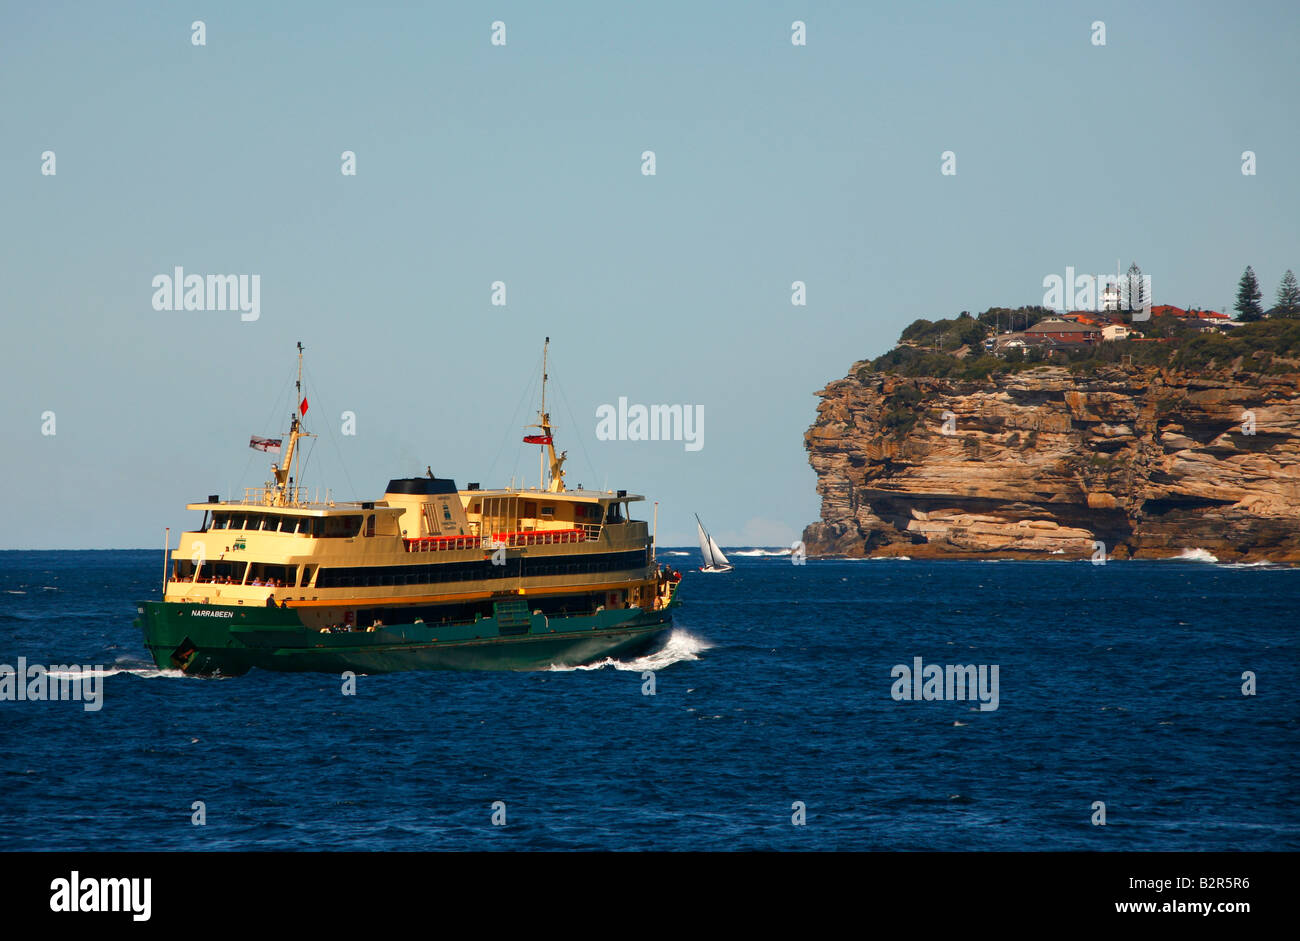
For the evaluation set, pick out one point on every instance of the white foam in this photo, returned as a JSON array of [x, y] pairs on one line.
[[681, 646], [760, 552], [142, 671], [676, 553], [1196, 555]]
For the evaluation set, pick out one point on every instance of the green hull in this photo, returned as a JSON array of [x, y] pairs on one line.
[[209, 640]]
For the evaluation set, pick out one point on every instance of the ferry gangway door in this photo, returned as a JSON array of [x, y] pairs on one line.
[[512, 616]]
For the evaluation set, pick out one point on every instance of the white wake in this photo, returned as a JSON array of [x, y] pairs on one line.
[[681, 646], [146, 672]]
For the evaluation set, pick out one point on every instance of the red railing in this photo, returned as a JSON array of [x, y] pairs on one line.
[[442, 543], [531, 537]]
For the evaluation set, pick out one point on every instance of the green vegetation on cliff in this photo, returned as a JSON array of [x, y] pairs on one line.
[[953, 348]]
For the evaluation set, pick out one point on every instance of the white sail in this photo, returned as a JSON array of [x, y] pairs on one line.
[[705, 549], [713, 556]]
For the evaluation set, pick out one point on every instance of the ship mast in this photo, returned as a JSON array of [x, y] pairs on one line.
[[283, 495], [547, 438]]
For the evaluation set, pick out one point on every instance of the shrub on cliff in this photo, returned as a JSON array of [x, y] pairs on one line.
[[949, 334], [1276, 338]]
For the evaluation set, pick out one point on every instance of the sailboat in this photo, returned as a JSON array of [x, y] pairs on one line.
[[714, 560]]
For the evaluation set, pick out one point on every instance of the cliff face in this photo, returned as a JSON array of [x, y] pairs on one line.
[[1041, 464]]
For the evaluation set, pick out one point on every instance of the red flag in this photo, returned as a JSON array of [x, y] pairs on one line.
[[303, 407], [537, 439]]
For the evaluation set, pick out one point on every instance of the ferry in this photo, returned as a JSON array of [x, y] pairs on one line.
[[430, 576]]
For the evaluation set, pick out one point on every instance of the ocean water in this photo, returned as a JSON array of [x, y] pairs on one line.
[[1119, 683]]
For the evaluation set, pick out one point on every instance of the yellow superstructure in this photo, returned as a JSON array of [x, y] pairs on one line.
[[426, 551]]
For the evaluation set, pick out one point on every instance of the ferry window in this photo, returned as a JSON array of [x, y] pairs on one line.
[[530, 509], [370, 524], [446, 513], [474, 508], [615, 513], [318, 527], [548, 511], [342, 526], [288, 524]]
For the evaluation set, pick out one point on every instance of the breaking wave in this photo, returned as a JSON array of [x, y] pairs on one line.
[[1196, 555], [681, 646], [759, 552]]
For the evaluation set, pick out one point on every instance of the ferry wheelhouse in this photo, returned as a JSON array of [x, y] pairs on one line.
[[430, 576]]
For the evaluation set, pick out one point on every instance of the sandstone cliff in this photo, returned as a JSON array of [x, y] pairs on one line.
[[1042, 464]]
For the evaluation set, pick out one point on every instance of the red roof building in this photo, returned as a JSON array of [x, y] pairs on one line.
[[1066, 331], [1169, 310]]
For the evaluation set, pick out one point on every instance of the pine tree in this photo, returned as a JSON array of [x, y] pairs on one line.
[[1288, 296], [1133, 288], [1248, 296]]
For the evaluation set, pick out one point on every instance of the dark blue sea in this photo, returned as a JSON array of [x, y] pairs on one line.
[[1119, 683]]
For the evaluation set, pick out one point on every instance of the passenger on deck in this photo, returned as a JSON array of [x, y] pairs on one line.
[[270, 601]]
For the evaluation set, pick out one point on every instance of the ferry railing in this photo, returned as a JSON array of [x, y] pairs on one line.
[[265, 496], [514, 540]]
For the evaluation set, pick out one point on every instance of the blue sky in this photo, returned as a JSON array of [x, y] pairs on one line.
[[522, 163]]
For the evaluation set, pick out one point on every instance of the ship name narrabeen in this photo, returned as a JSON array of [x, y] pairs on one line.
[[209, 613]]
